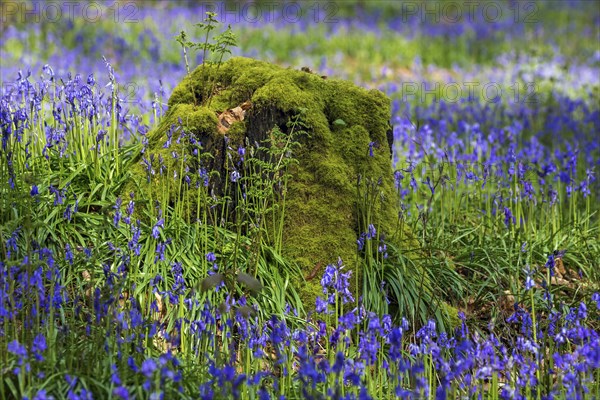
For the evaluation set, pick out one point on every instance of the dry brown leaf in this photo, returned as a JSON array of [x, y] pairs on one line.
[[507, 302], [228, 117], [159, 303], [124, 298], [556, 280], [86, 275], [559, 268]]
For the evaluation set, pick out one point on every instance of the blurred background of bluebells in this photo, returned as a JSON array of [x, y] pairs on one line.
[[494, 190]]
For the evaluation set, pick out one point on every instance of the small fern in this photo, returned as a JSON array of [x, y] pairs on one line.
[[220, 45]]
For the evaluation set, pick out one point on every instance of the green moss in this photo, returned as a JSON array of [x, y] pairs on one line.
[[451, 314], [237, 132]]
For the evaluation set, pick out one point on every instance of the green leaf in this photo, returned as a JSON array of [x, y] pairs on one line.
[[340, 122]]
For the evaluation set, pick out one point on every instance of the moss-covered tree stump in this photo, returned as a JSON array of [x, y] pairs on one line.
[[343, 180]]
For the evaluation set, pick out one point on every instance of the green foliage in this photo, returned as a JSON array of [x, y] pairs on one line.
[[220, 45]]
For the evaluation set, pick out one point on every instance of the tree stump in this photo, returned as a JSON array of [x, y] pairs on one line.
[[343, 181]]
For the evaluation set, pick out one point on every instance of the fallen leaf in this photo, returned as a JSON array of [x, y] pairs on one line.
[[228, 117]]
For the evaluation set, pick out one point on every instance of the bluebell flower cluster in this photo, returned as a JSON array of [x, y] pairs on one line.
[[335, 358]]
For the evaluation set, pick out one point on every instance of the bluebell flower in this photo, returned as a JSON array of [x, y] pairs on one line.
[[596, 299], [148, 367], [374, 323], [122, 392], [156, 228], [100, 136], [263, 394], [361, 241], [529, 283], [71, 380], [17, 349], [42, 395], [371, 144], [430, 185], [117, 216], [133, 244], [508, 217], [398, 177], [550, 264], [169, 137], [241, 152], [211, 257], [11, 243], [68, 214], [371, 232], [59, 195], [160, 251], [203, 177], [68, 254], [131, 364], [328, 278], [82, 395], [47, 69], [582, 311], [39, 346], [413, 183], [114, 377], [349, 320]]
